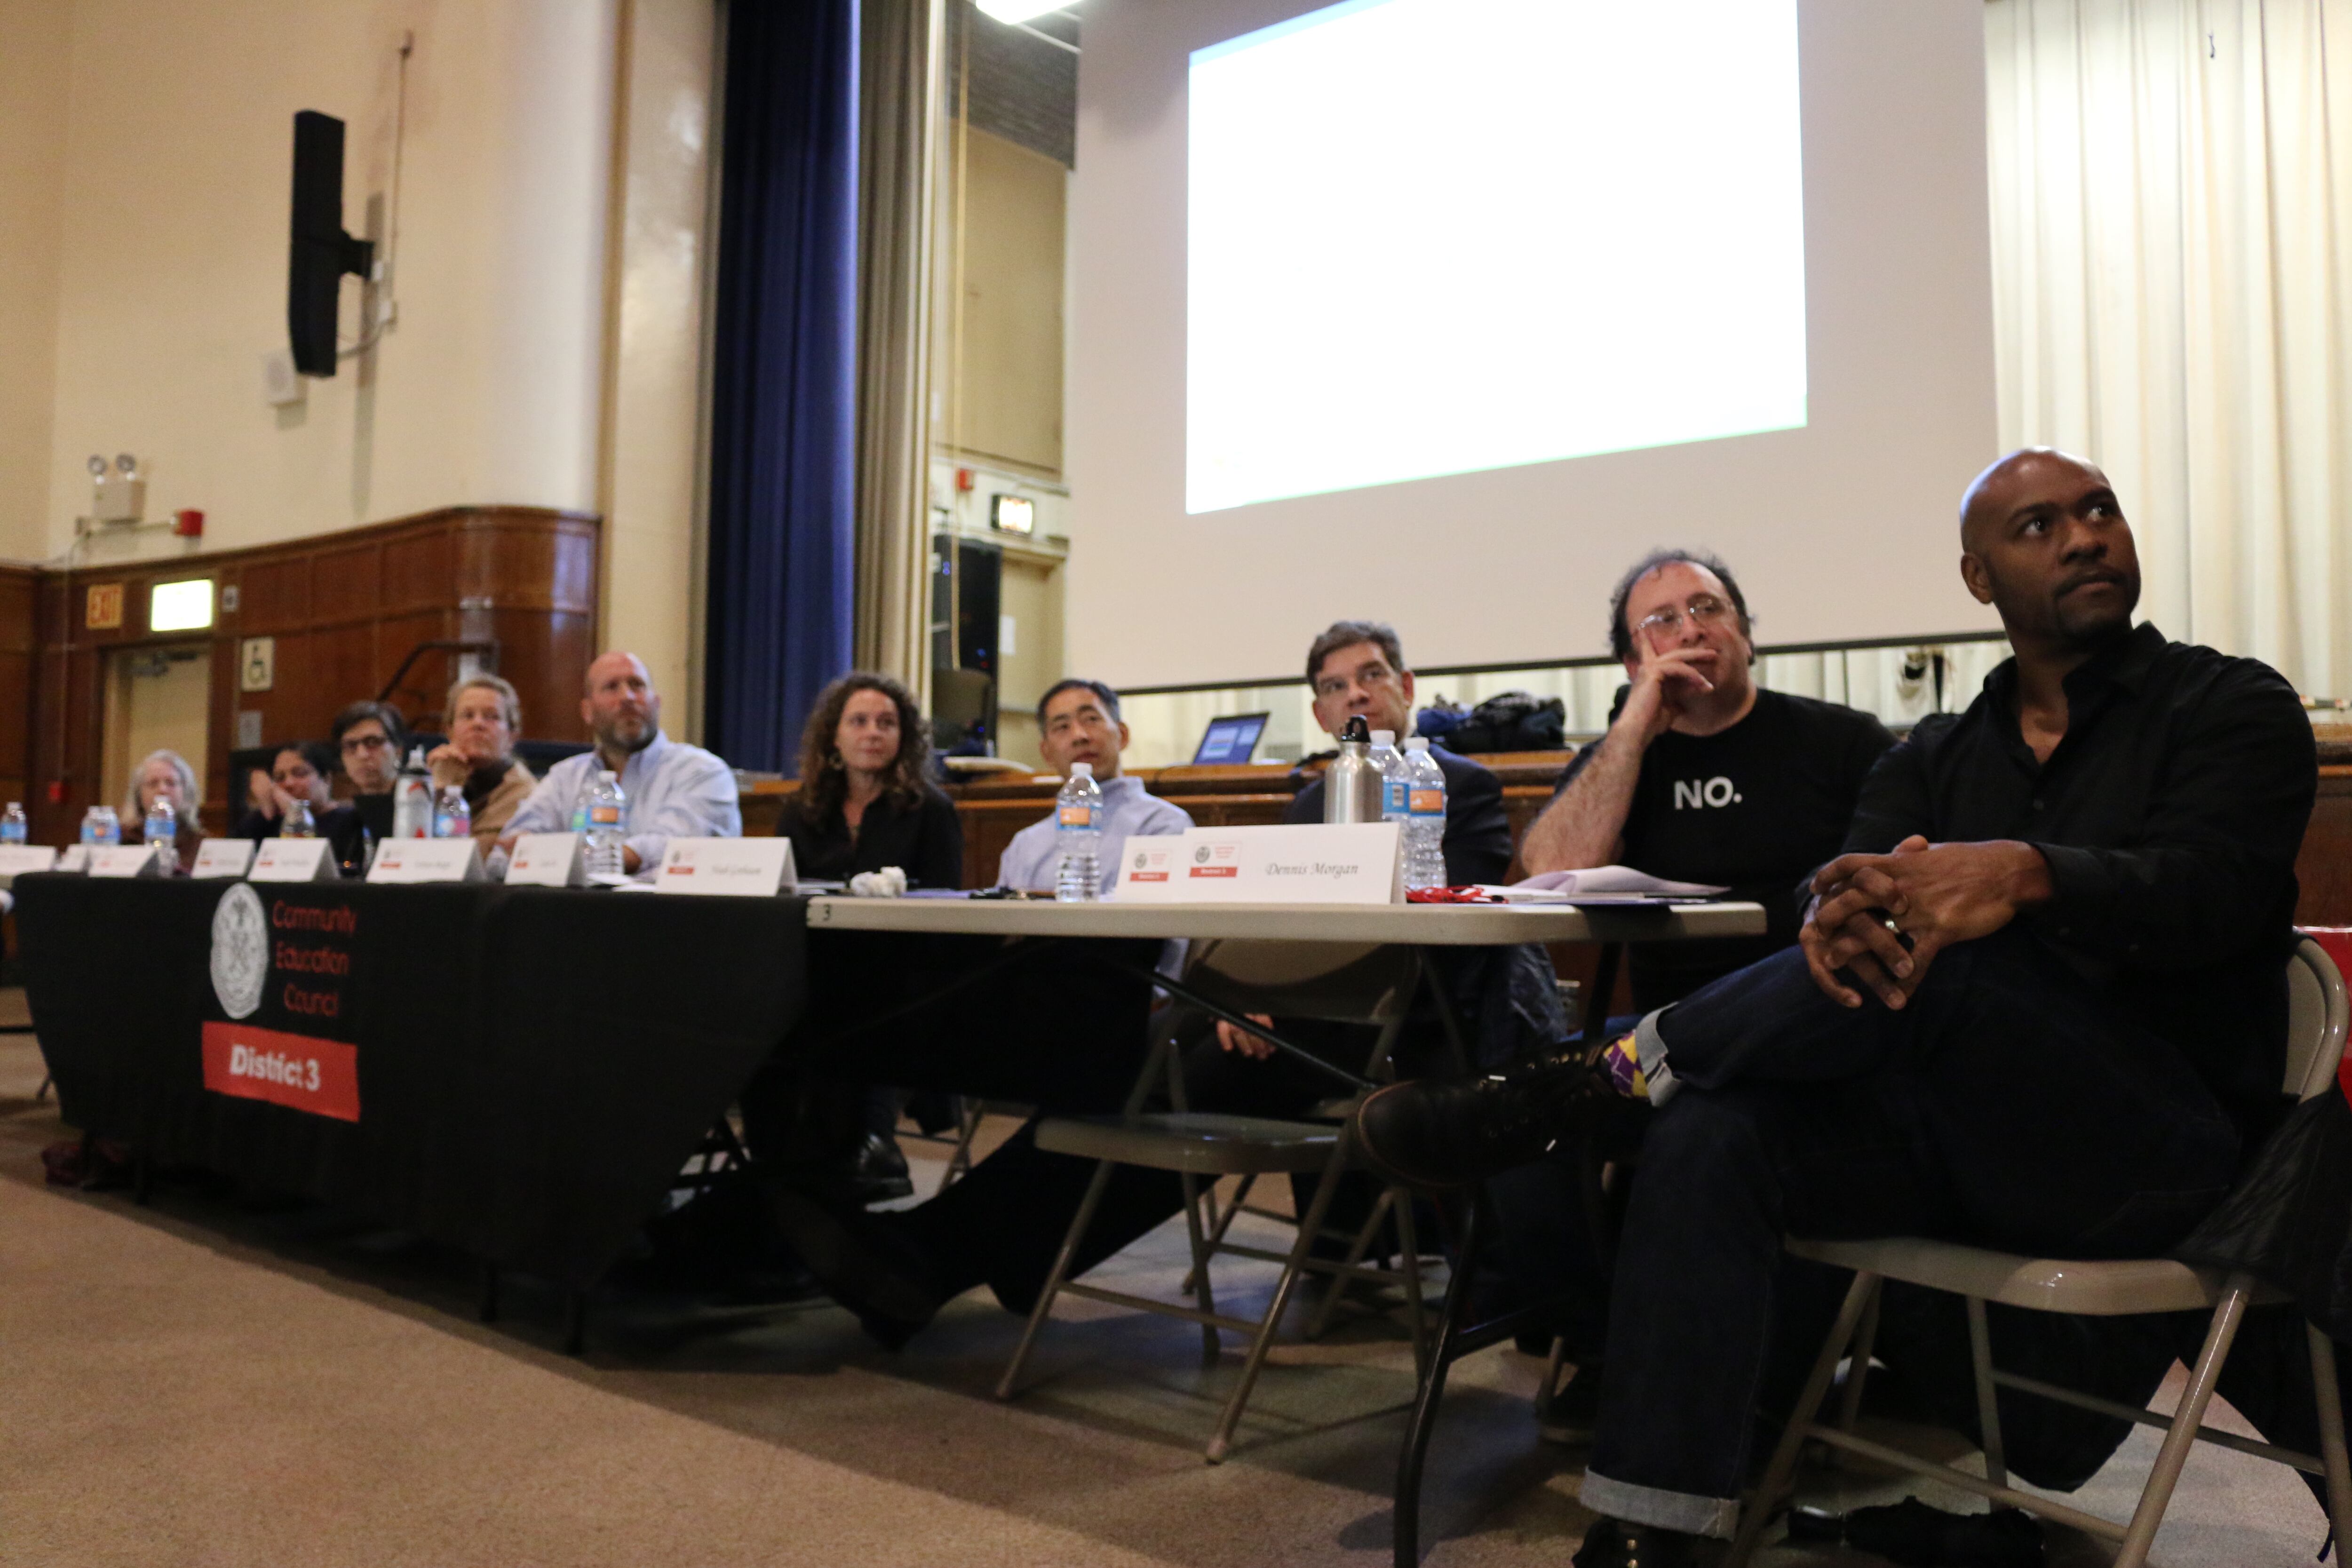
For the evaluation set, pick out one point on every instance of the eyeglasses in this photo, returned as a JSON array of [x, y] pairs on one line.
[[1372, 674], [1705, 610], [365, 742]]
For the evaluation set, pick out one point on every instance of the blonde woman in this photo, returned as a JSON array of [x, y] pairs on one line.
[[165, 773], [485, 719]]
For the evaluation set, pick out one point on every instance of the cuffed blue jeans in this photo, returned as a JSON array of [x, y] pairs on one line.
[[2005, 1106]]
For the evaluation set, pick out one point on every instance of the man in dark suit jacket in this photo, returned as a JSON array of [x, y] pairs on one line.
[[1357, 669]]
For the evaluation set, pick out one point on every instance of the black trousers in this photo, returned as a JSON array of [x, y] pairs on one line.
[[1002, 1224], [2005, 1106]]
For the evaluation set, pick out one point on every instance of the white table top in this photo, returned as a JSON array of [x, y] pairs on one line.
[[1435, 925]]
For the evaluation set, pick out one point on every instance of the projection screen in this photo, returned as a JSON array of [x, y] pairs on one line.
[[1442, 312]]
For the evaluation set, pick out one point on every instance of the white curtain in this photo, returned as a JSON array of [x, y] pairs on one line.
[[2172, 287]]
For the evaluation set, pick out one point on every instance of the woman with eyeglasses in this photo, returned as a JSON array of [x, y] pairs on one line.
[[370, 740]]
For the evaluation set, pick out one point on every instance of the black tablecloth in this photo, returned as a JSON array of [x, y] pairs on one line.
[[532, 1064]]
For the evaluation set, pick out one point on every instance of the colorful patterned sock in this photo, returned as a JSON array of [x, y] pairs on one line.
[[1623, 1066]]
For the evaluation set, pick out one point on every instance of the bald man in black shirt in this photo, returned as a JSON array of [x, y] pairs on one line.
[[2039, 1005]]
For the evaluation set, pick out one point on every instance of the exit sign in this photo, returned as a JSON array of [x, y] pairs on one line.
[[102, 607]]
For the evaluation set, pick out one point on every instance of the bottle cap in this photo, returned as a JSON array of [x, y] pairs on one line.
[[608, 775], [1355, 730], [1416, 744], [1082, 770], [1385, 737]]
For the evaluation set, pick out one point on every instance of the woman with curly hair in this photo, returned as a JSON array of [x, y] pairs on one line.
[[864, 801], [864, 804]]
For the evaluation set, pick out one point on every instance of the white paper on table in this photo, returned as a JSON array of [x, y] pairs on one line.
[[1598, 884]]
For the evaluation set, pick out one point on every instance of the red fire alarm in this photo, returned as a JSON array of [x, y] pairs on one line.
[[963, 479], [188, 523]]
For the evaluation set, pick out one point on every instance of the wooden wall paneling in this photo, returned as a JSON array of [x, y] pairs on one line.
[[274, 596], [339, 667], [217, 811], [546, 655], [19, 637], [419, 569], [2323, 869], [427, 684], [538, 563], [347, 585]]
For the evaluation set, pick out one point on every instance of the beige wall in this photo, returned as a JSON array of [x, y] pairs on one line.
[[35, 39], [1004, 356], [652, 497], [169, 257], [547, 261]]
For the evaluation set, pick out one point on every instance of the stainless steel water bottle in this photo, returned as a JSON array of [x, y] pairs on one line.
[[1351, 785]]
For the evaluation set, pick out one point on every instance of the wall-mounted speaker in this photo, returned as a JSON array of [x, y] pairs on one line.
[[320, 252]]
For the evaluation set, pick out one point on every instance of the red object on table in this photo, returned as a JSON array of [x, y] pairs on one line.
[[1449, 896], [2337, 940]]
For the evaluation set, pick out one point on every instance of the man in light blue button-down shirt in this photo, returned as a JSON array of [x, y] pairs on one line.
[[1078, 722], [674, 789]]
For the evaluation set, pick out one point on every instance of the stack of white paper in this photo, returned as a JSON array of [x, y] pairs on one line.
[[1599, 885]]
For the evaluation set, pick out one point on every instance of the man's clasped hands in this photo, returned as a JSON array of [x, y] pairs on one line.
[[1883, 919]]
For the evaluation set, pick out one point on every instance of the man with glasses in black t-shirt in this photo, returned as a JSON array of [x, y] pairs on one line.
[[1702, 776]]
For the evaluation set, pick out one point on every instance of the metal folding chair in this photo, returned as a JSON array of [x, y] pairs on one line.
[[1291, 980], [2318, 1014]]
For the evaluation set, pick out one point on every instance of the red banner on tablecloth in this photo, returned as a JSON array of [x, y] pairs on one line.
[[2337, 940], [321, 1077]]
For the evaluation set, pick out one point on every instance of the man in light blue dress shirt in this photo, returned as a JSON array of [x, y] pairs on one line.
[[674, 790], [1078, 721]]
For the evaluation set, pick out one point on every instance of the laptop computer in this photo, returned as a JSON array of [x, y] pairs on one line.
[[1231, 739]]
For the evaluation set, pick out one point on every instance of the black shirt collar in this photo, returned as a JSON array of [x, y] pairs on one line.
[[2124, 662]]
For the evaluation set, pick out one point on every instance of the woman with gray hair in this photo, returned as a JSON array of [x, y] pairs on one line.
[[485, 721], [165, 773]]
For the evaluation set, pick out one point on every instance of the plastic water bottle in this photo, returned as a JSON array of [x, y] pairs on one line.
[[1395, 782], [163, 823], [299, 823], [1078, 834], [1424, 833], [452, 817], [101, 825], [14, 829], [606, 818], [412, 799]]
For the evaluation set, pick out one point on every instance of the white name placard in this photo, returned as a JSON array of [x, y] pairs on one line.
[[126, 860], [15, 860], [73, 857], [1314, 863], [547, 861], [223, 857], [293, 860], [427, 860], [727, 868]]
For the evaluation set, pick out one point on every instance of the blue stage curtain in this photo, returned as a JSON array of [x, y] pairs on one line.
[[784, 393]]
